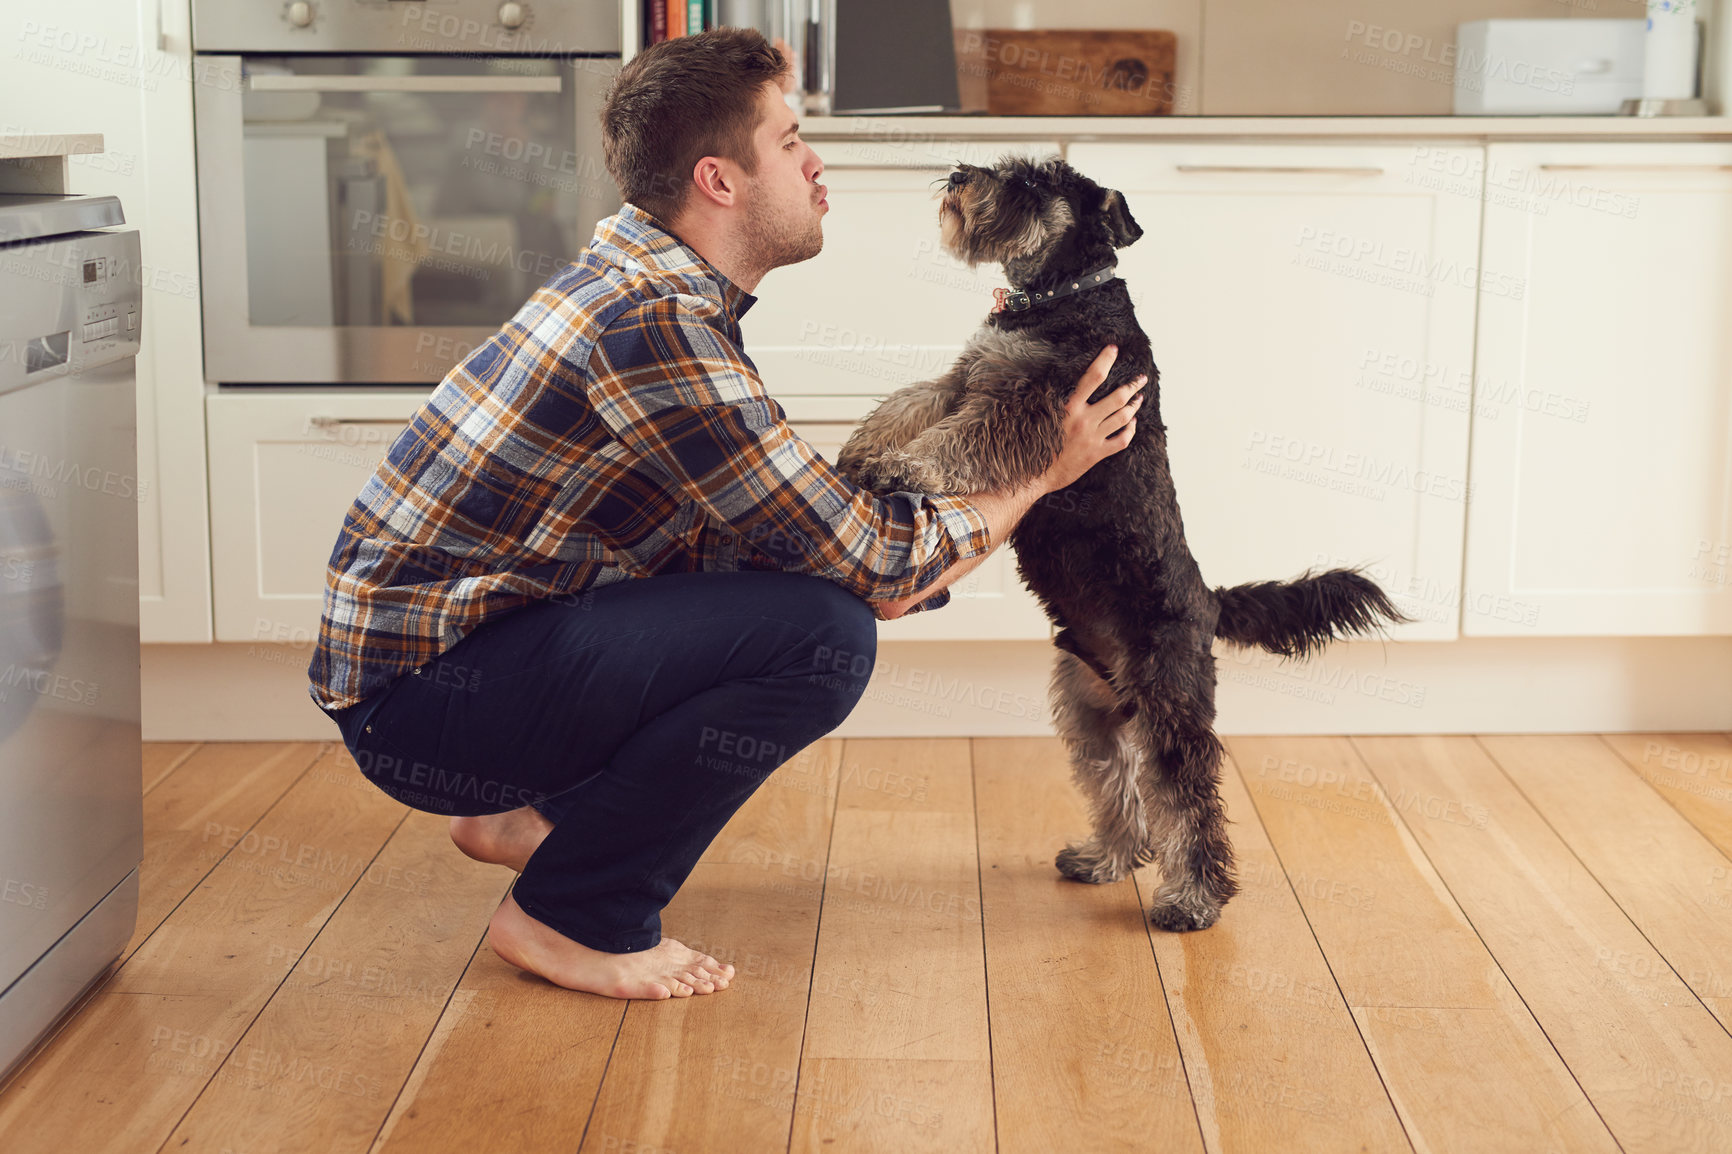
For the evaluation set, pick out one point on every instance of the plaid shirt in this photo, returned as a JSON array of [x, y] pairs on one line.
[[613, 428]]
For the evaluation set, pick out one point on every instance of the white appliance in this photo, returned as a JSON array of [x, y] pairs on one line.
[[1547, 67], [381, 185], [71, 802]]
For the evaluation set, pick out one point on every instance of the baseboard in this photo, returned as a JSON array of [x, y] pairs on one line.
[[244, 692]]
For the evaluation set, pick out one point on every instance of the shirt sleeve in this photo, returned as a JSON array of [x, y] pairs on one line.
[[672, 386]]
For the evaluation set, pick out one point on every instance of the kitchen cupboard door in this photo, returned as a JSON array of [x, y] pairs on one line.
[[882, 305], [1602, 458], [1311, 308], [989, 604], [284, 468], [125, 69]]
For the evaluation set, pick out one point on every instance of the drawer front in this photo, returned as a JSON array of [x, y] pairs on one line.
[[286, 467]]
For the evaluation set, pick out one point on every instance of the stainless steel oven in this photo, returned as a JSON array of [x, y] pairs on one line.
[[382, 184]]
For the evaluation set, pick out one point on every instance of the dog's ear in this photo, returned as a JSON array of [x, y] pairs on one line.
[[1121, 226]]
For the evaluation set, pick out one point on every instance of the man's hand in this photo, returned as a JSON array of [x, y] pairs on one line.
[[1091, 434], [1095, 432]]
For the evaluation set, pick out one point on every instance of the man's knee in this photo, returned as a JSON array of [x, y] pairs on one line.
[[844, 647]]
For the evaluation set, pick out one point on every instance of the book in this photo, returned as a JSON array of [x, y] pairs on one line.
[[676, 18], [695, 15], [656, 20]]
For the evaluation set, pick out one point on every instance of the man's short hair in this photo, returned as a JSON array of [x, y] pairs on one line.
[[679, 101]]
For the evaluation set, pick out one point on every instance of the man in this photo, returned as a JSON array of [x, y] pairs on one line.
[[597, 590]]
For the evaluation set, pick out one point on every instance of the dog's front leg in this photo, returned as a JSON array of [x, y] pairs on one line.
[[989, 443], [1006, 430], [902, 416]]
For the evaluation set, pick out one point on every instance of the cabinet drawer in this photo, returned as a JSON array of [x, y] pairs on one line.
[[286, 466], [284, 469]]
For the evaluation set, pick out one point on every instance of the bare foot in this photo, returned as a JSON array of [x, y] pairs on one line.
[[505, 839], [666, 970]]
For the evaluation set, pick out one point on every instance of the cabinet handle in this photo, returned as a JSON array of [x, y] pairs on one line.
[[1636, 167], [340, 422], [1289, 168]]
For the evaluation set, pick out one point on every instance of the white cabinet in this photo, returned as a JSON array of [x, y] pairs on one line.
[[124, 69], [882, 305], [1311, 308], [1602, 434], [285, 466]]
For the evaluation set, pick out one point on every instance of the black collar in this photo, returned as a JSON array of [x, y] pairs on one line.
[[1018, 300]]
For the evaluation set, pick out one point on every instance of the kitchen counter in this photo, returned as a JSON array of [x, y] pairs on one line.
[[37, 163], [1674, 128], [17, 146]]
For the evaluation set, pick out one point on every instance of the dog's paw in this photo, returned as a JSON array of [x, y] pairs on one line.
[[1180, 916], [850, 468], [898, 472], [1083, 863]]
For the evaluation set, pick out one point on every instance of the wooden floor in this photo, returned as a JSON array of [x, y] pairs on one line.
[[1442, 944]]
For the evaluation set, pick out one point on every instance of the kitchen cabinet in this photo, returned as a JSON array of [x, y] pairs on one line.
[[882, 305], [1602, 421], [287, 464], [1311, 308], [124, 68]]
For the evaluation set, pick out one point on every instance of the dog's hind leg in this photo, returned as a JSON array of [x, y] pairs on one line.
[[1181, 785], [1105, 767]]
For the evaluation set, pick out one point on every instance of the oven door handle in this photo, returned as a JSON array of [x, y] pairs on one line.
[[435, 84]]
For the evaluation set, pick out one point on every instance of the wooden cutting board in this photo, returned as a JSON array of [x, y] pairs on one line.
[[1066, 72]]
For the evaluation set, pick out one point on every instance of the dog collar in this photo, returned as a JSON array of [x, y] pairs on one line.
[[1017, 300]]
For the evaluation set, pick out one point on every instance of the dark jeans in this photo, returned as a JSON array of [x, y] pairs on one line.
[[637, 717]]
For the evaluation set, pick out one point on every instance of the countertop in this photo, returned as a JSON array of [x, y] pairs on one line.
[[916, 127], [16, 146]]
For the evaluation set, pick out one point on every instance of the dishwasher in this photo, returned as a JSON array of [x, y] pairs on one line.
[[71, 795]]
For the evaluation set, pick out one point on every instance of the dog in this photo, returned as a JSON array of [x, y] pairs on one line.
[[1133, 688]]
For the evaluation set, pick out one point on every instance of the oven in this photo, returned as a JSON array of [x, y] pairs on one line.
[[382, 184]]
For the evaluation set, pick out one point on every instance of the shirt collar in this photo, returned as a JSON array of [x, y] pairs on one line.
[[641, 238]]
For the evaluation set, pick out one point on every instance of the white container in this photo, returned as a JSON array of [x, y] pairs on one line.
[[1669, 66], [1547, 67]]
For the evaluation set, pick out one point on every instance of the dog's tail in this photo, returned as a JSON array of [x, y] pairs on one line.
[[1299, 617]]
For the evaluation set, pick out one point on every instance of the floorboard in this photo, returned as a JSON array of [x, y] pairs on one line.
[[1632, 1034], [1658, 867], [1274, 1056], [686, 1070], [1083, 1051], [205, 806], [318, 1069], [901, 1060], [122, 1075], [1506, 943], [1465, 1064]]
